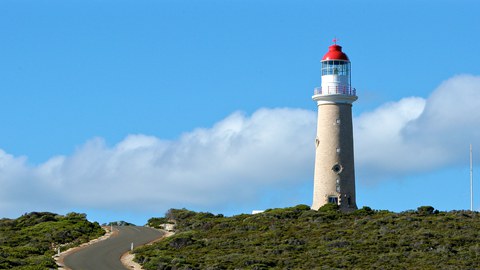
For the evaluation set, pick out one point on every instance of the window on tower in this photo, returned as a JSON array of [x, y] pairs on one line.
[[335, 67], [337, 168], [333, 199]]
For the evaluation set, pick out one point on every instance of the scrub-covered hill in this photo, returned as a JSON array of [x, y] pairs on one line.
[[29, 242], [300, 238]]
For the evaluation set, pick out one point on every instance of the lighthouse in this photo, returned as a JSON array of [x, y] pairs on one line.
[[334, 176]]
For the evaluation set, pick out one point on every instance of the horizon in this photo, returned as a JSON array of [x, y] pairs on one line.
[[123, 110]]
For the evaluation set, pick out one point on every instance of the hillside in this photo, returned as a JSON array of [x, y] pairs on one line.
[[29, 241], [300, 238]]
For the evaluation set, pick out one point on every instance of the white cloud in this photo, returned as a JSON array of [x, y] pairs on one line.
[[451, 120], [230, 162], [378, 135], [241, 156], [416, 134]]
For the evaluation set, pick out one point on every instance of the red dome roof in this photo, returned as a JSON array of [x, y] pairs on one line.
[[335, 53]]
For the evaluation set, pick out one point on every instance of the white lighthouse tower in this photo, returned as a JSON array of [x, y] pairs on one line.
[[334, 178]]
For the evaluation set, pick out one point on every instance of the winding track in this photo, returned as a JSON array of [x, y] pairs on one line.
[[105, 255]]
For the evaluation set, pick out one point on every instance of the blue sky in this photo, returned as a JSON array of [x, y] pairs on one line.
[[124, 109]]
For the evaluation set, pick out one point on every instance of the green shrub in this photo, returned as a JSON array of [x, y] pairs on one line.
[[364, 211], [28, 241], [300, 238], [156, 222], [425, 210], [329, 208]]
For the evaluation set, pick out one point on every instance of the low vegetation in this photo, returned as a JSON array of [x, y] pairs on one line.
[[300, 238], [119, 223], [157, 222], [30, 241]]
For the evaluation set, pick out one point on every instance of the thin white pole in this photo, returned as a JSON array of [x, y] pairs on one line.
[[471, 179]]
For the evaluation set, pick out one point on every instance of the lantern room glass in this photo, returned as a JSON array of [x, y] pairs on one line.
[[336, 67]]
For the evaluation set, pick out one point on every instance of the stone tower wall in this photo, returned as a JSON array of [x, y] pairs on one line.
[[334, 160]]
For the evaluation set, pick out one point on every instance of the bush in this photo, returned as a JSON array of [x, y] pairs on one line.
[[329, 208], [26, 242], [156, 222], [364, 211], [299, 238], [425, 210]]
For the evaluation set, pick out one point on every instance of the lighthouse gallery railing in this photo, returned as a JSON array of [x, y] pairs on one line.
[[335, 90]]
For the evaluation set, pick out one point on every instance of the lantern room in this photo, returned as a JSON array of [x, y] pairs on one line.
[[336, 67], [336, 73]]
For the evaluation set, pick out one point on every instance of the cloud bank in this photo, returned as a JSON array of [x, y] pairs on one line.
[[230, 162], [419, 135], [241, 156]]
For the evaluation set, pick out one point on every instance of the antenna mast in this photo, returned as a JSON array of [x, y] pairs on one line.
[[471, 179]]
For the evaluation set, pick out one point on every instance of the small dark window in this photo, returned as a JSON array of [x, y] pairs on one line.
[[337, 168], [333, 199]]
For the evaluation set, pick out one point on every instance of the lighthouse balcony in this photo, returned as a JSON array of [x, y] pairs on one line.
[[335, 90]]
